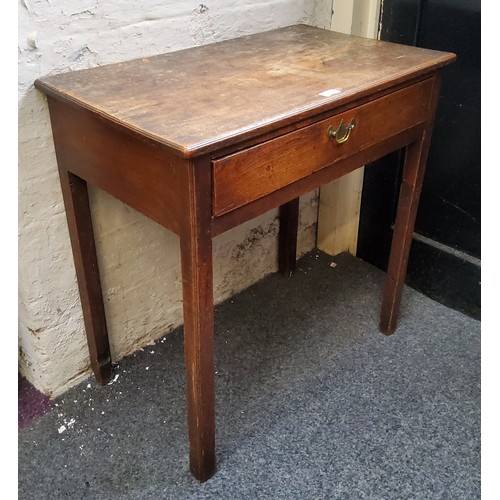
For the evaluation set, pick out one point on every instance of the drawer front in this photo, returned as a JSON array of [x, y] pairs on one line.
[[252, 173]]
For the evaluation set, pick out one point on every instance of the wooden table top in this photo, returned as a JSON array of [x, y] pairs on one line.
[[198, 99]]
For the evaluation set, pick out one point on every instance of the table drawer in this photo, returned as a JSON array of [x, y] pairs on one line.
[[249, 174]]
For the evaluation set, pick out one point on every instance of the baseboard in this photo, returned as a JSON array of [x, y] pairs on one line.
[[445, 276]]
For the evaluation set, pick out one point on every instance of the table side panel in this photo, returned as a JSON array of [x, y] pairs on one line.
[[140, 173], [255, 172]]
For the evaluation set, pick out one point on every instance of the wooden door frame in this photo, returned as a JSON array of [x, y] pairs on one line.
[[340, 200]]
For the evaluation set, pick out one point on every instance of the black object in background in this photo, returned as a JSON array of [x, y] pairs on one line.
[[445, 256]]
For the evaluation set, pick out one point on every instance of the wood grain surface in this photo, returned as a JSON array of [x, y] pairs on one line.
[[201, 99], [254, 172]]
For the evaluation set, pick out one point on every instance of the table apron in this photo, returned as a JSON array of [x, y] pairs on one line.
[[246, 175], [313, 181]]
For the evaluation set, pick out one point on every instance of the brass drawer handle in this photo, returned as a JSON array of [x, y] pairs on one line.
[[343, 131]]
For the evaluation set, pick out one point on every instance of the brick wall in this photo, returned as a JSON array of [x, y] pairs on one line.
[[139, 260]]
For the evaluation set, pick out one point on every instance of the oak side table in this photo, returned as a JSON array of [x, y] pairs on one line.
[[201, 140]]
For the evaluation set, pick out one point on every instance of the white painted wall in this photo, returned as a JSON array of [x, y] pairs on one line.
[[139, 260]]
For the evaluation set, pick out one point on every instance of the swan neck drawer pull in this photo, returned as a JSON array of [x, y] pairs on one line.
[[343, 131]]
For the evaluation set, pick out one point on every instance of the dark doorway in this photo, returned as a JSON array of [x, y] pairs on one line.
[[445, 257]]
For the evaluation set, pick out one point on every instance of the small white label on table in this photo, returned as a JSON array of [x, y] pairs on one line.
[[330, 92]]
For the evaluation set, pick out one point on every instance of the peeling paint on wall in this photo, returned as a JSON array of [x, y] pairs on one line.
[[139, 260]]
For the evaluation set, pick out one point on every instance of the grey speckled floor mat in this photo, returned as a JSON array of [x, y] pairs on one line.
[[312, 402]]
